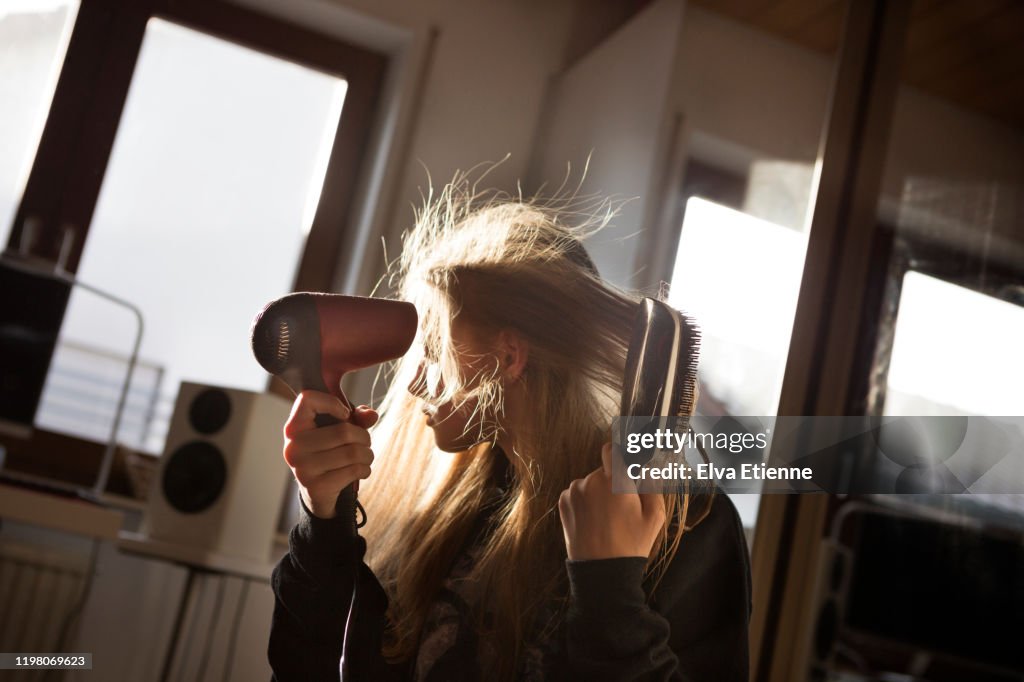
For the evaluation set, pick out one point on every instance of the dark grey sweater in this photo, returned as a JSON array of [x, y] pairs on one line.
[[694, 628]]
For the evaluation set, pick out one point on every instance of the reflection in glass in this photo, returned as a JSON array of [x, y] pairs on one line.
[[951, 347], [951, 206]]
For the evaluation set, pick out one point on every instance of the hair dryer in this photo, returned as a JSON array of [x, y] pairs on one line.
[[310, 341]]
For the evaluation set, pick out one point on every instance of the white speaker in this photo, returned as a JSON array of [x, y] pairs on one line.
[[221, 481]]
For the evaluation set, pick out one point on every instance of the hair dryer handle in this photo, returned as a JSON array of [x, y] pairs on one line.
[[345, 507]]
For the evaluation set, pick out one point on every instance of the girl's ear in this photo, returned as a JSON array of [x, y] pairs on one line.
[[513, 353]]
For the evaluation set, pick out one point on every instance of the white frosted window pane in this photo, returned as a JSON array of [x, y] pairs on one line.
[[955, 352], [202, 217], [33, 39], [740, 277]]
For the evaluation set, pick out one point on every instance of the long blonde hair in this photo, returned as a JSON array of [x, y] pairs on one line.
[[498, 263]]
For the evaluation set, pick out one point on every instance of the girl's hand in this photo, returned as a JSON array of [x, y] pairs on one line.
[[599, 524], [326, 460]]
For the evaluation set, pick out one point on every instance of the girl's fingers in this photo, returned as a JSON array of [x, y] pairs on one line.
[[307, 406], [329, 437], [565, 508], [365, 416], [313, 465], [606, 459], [325, 489]]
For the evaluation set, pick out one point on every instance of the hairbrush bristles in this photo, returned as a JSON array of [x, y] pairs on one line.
[[688, 369], [661, 366]]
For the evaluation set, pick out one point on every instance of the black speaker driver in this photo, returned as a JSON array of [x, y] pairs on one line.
[[210, 411], [194, 477]]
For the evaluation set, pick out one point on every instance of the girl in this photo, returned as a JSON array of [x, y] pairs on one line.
[[495, 548]]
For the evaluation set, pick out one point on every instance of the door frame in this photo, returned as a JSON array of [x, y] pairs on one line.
[[824, 362]]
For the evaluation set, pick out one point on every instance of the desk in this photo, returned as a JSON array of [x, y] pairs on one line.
[[57, 512], [194, 557]]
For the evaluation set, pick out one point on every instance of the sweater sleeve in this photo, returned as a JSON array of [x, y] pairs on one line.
[[694, 628], [313, 586]]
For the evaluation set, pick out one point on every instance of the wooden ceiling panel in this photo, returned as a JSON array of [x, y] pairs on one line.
[[786, 16], [949, 20], [1000, 67], [737, 9], [922, 8], [975, 49], [1003, 103], [824, 30]]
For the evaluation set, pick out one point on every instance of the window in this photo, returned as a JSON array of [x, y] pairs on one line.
[[215, 172], [740, 277], [181, 169]]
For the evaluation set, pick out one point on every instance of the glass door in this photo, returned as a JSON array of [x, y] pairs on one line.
[[921, 319]]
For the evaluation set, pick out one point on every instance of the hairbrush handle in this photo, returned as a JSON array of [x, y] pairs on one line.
[[346, 505]]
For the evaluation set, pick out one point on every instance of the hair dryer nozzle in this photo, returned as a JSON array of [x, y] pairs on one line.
[[311, 340]]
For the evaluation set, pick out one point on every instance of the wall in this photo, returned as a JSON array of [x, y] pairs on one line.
[[465, 88], [750, 89], [607, 114]]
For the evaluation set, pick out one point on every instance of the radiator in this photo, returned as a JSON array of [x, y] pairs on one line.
[[39, 591]]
